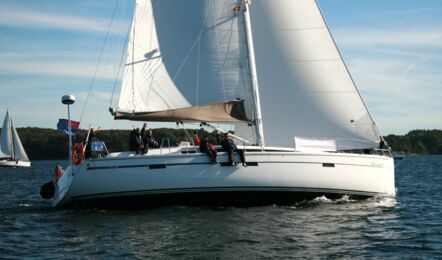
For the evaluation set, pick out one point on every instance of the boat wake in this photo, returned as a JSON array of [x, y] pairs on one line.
[[377, 201], [383, 201]]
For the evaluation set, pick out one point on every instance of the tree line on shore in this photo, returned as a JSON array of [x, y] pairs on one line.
[[49, 144], [417, 142]]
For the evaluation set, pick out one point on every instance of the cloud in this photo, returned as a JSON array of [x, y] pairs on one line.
[[63, 63], [407, 81], [401, 94], [32, 19], [398, 74], [97, 96], [32, 108], [402, 124], [46, 54], [405, 11], [53, 68], [358, 38]]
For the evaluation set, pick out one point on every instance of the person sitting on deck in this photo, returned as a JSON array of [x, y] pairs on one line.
[[206, 147], [135, 141], [196, 138], [229, 146], [148, 139], [87, 142], [383, 145]]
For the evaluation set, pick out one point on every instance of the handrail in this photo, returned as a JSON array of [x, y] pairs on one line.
[[162, 144], [381, 151]]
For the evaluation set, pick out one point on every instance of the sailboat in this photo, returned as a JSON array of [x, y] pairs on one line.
[[12, 153], [305, 130]]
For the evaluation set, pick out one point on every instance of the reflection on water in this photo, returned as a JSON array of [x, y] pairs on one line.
[[406, 227]]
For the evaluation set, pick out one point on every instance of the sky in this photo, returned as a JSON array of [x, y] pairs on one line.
[[49, 48]]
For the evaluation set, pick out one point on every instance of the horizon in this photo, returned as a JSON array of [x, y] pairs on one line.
[[393, 50]]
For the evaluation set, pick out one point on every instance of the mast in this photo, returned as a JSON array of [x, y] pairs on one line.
[[253, 75], [12, 140]]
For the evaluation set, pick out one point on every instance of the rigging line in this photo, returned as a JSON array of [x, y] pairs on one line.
[[245, 79], [226, 56], [198, 39], [217, 40], [154, 66], [188, 136], [133, 55], [314, 60], [198, 63], [228, 41], [248, 72], [159, 95], [198, 72], [346, 68], [119, 65], [99, 60], [185, 59], [301, 29], [151, 77], [109, 59]]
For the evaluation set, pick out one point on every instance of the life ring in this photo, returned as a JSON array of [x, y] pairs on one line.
[[77, 153]]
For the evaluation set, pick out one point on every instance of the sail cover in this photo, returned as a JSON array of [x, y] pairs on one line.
[[10, 144], [305, 88], [186, 54], [220, 112]]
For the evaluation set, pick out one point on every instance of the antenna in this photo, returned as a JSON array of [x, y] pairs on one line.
[[69, 100]]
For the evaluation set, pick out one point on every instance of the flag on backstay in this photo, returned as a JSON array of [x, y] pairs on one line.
[[62, 126]]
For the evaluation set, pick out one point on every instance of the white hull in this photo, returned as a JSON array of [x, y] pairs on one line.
[[172, 178], [7, 163]]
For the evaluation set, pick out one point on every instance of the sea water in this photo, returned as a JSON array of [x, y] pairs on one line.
[[409, 226]]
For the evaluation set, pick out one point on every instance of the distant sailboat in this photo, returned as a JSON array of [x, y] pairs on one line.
[[197, 61], [12, 153]]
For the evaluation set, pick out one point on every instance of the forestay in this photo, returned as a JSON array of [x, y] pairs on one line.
[[305, 87], [186, 58]]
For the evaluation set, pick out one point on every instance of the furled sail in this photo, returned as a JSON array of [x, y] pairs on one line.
[[220, 112], [186, 61], [305, 87], [10, 144]]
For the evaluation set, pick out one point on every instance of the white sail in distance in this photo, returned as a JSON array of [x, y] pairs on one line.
[[10, 144], [6, 148], [186, 61], [305, 87], [19, 151]]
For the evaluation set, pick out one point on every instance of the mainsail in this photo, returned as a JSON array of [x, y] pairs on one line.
[[186, 61], [190, 61], [10, 144], [305, 87]]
